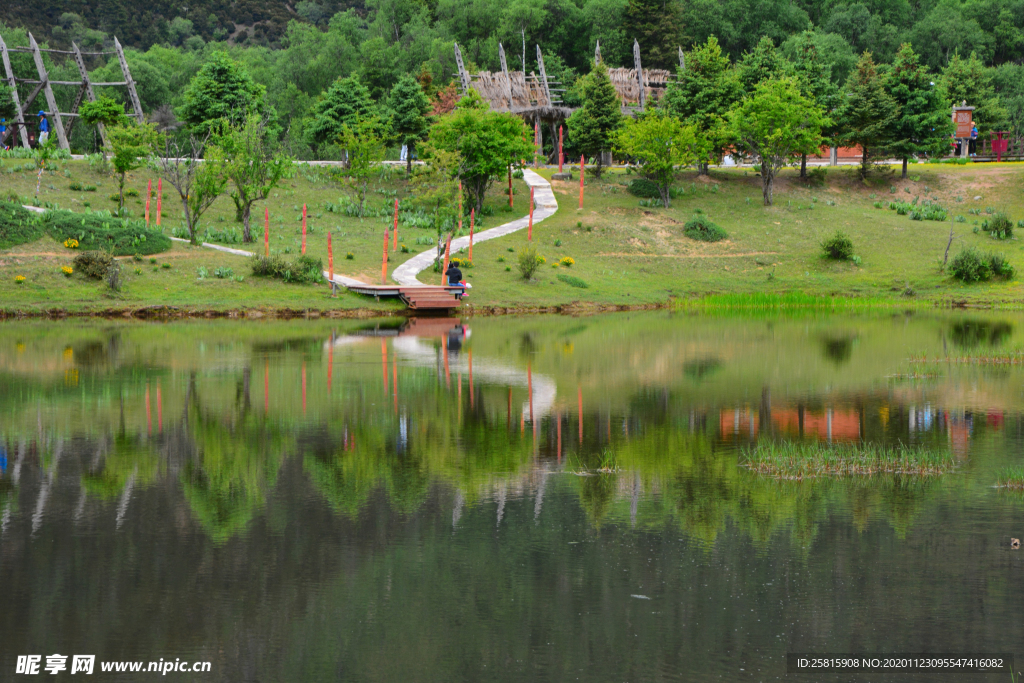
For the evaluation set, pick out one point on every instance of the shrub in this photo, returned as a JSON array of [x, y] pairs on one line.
[[93, 264], [18, 225], [701, 228], [101, 231], [1000, 226], [303, 269], [223, 273], [1000, 267], [838, 247], [642, 187], [529, 261], [970, 265], [572, 280], [567, 261]]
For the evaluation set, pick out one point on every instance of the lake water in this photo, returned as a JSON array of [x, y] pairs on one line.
[[516, 499]]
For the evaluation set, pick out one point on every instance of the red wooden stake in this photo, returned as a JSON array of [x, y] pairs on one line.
[[303, 229], [394, 243], [159, 198], [384, 364], [529, 231], [581, 181], [472, 217], [330, 259], [149, 196], [447, 251], [266, 232], [560, 155], [510, 186], [384, 263]]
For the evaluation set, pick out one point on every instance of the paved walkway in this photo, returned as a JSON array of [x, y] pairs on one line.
[[545, 205]]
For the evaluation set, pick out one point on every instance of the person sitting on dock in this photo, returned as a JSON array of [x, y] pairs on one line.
[[454, 276]]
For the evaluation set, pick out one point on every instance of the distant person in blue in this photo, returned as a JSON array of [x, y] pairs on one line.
[[3, 131], [3, 460], [44, 128], [972, 146]]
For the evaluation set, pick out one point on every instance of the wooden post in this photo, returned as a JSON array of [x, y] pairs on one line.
[[472, 217], [129, 83], [149, 195], [639, 74], [159, 199], [529, 231], [330, 261], [561, 157], [504, 71], [394, 233], [581, 181], [463, 76], [51, 102], [266, 232], [444, 268], [384, 262], [11, 83], [303, 229], [510, 186]]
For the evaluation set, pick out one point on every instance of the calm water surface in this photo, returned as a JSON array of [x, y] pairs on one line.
[[522, 499]]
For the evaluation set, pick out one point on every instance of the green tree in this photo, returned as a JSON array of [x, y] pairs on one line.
[[346, 102], [814, 78], [198, 180], [104, 112], [703, 93], [763, 63], [437, 191], [487, 143], [592, 127], [654, 24], [131, 145], [659, 142], [410, 120], [221, 90], [867, 113], [364, 144], [254, 165], [923, 125], [968, 80], [7, 108], [777, 124]]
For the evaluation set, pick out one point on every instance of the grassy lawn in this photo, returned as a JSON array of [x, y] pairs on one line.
[[625, 253]]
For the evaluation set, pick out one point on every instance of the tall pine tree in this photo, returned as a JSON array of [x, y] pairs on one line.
[[346, 102], [814, 78], [868, 112], [654, 24], [923, 125], [763, 63], [409, 107], [592, 127]]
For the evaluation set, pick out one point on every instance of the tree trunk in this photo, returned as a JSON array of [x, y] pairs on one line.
[[193, 238], [246, 230], [120, 195], [666, 194], [362, 198], [864, 164], [767, 180], [904, 176], [803, 165], [239, 207]]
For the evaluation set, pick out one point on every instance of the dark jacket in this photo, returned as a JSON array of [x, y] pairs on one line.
[[454, 274]]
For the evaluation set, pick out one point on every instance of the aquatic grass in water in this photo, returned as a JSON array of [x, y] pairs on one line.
[[805, 461], [1011, 478], [757, 301]]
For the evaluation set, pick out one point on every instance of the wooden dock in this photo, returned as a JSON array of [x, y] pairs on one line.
[[416, 297]]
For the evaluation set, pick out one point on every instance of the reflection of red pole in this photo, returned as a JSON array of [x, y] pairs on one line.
[[579, 399], [266, 387], [581, 181], [303, 229], [303, 387], [159, 409], [266, 232], [560, 155], [447, 375], [394, 233], [149, 415], [384, 363], [529, 387], [472, 218], [529, 231], [330, 364], [394, 382], [149, 195]]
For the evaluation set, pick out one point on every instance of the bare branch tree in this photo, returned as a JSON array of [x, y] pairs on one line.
[[198, 181]]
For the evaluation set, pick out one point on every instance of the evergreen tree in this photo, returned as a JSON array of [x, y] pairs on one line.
[[763, 63], [702, 95], [592, 127], [221, 90], [410, 120], [968, 79], [346, 102], [923, 125], [814, 79], [654, 24], [868, 111]]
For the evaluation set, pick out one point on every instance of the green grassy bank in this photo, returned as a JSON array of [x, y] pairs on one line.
[[626, 251]]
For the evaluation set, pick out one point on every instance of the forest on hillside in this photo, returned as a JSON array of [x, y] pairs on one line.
[[296, 51]]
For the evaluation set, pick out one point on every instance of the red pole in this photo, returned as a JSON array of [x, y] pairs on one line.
[[149, 196], [330, 258], [529, 231], [581, 181], [394, 244], [510, 186], [560, 155], [159, 198], [266, 232], [447, 251], [303, 229], [472, 217], [384, 263]]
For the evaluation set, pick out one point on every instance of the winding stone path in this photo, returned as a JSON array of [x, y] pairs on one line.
[[545, 205]]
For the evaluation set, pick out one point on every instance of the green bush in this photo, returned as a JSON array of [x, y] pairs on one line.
[[970, 265], [18, 225], [1000, 226], [641, 187], [93, 264], [304, 269], [529, 261], [701, 228], [572, 280], [838, 247], [101, 231]]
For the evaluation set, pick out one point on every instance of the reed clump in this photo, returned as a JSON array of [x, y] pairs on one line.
[[1011, 478], [810, 460]]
